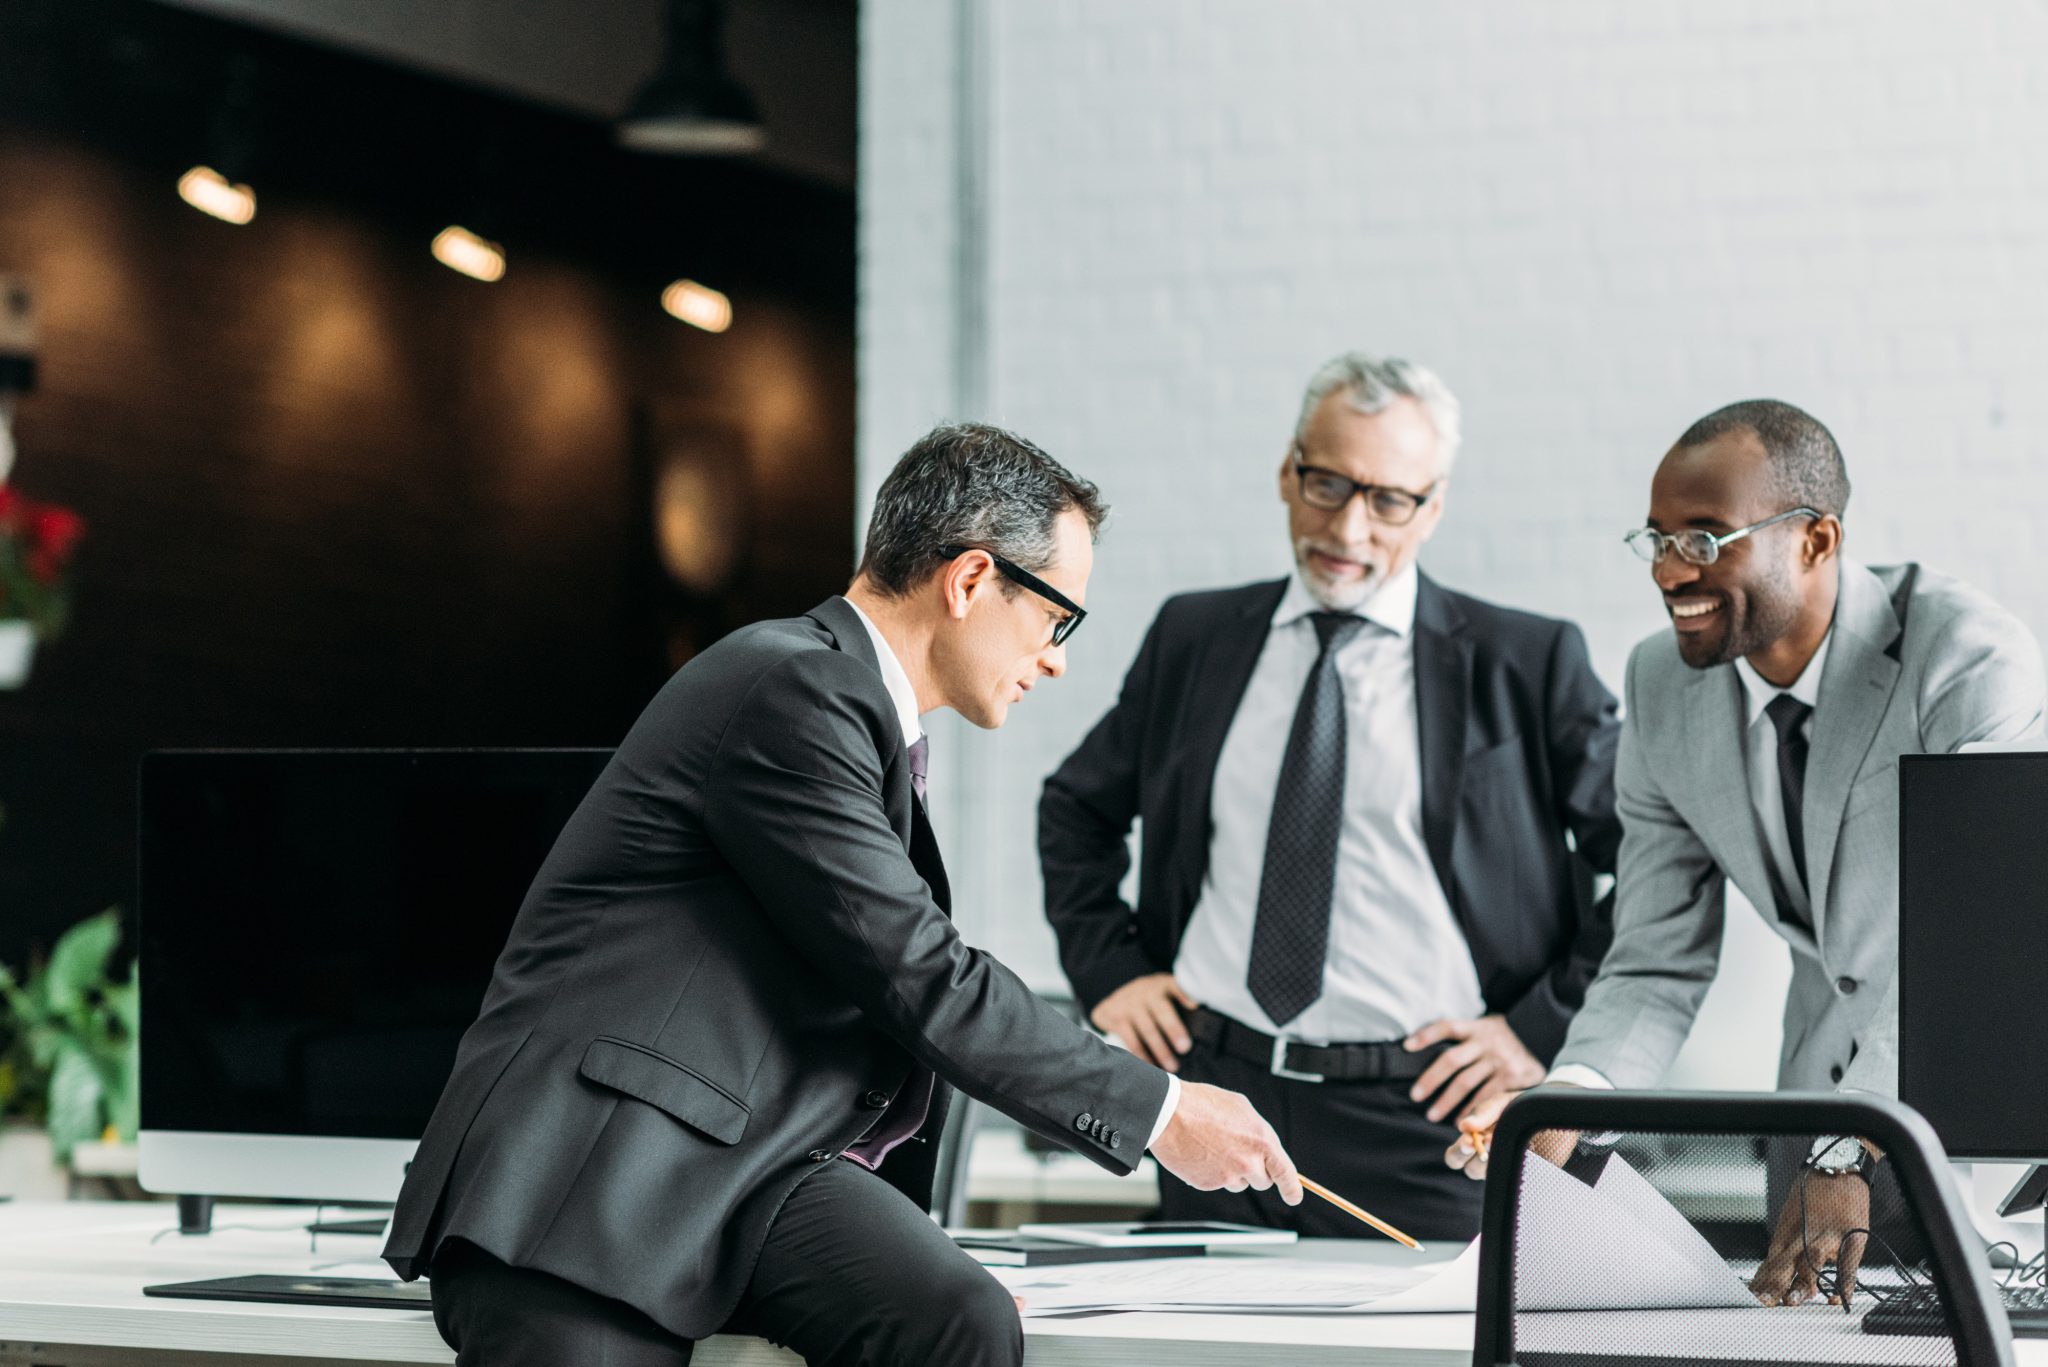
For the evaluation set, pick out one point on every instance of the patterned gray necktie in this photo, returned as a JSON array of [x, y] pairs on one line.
[[920, 754], [1291, 937], [1789, 715]]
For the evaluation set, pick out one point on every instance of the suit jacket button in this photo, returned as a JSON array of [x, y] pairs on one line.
[[1846, 986], [818, 1155], [1082, 1122], [1116, 1139], [874, 1101], [1835, 1073]]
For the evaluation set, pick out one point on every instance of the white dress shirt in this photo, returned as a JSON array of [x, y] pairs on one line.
[[1766, 799], [1396, 959], [897, 680]]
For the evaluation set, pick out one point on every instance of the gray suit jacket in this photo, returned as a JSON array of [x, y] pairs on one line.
[[1918, 663]]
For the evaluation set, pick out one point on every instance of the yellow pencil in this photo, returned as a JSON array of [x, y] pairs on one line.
[[1340, 1203]]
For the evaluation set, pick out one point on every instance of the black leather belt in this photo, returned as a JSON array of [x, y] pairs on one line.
[[1382, 1061]]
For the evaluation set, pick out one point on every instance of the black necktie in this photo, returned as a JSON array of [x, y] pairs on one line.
[[1789, 715], [1291, 938], [920, 754]]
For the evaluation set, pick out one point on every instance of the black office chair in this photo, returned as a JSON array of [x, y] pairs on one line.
[[1652, 1264]]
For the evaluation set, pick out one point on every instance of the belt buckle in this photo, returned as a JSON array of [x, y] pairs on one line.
[[1279, 1063]]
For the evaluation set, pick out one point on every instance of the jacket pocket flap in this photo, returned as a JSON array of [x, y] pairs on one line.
[[663, 1083]]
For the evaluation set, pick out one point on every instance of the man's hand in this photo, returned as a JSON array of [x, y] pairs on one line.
[[1488, 1061], [1475, 1137], [1216, 1139], [1828, 1223], [1145, 1014]]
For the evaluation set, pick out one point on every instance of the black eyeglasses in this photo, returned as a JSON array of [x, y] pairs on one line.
[[1330, 491], [1061, 629]]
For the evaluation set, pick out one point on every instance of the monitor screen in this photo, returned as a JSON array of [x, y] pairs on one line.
[[318, 927], [1973, 949]]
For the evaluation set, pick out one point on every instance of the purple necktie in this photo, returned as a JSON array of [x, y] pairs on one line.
[[919, 753]]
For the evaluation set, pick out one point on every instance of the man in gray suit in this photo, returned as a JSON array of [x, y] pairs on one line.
[[1760, 744]]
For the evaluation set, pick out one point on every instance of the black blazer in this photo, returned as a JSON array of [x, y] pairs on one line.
[[725, 970], [1518, 743]]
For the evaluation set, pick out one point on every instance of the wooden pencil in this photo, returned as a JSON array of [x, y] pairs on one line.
[[1356, 1212]]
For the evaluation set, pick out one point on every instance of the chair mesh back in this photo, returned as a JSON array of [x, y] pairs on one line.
[[1651, 1245]]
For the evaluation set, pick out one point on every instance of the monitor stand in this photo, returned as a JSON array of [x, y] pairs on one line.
[[195, 1215], [2030, 1194]]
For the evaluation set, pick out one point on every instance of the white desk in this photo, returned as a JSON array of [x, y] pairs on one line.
[[71, 1279]]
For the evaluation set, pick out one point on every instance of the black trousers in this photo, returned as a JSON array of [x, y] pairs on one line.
[[1363, 1140], [853, 1273]]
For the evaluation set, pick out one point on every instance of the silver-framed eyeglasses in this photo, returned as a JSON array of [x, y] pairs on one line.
[[1696, 545]]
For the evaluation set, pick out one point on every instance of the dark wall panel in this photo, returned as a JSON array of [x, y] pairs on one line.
[[339, 495]]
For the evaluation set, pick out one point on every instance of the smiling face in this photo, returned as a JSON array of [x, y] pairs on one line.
[[1755, 592], [997, 643], [1345, 556]]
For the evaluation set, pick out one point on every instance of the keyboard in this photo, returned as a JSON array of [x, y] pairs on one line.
[[1918, 1311]]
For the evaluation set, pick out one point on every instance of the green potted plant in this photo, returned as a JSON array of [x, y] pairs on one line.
[[67, 1040]]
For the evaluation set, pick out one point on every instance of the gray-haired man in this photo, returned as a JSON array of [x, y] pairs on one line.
[[1356, 902]]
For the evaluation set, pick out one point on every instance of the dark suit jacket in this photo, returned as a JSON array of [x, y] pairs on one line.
[[1518, 745], [724, 972]]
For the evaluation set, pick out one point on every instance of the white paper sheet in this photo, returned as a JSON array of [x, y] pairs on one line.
[[1612, 1246]]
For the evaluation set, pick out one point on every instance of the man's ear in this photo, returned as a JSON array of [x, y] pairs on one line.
[[1286, 472], [1823, 540], [961, 579]]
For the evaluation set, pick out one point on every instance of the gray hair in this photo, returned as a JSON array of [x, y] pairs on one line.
[[1372, 383], [967, 484]]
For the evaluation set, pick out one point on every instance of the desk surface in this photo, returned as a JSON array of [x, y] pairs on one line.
[[71, 1277]]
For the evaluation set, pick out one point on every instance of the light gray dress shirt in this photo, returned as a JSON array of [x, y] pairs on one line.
[[1397, 959]]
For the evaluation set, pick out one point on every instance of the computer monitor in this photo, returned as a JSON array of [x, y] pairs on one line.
[[1973, 949], [317, 929]]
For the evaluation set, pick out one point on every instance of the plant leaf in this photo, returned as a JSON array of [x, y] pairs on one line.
[[76, 1097], [79, 962]]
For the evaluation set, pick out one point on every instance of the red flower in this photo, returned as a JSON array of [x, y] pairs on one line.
[[56, 531]]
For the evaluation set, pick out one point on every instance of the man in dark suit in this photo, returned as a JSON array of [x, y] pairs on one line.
[[1358, 901], [703, 1087]]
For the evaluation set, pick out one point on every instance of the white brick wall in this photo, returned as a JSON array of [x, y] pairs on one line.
[[1598, 219]]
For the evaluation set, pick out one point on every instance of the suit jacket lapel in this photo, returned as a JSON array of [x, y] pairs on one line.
[[1222, 672], [840, 620], [1443, 691], [1855, 690], [1711, 771], [924, 853]]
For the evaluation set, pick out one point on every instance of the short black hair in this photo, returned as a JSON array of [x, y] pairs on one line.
[[969, 484], [1806, 465]]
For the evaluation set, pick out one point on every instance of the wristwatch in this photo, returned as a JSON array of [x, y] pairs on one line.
[[1842, 1157]]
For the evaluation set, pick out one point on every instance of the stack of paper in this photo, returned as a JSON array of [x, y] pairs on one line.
[[1217, 1285], [1615, 1245]]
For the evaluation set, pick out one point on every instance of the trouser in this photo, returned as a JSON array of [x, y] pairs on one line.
[[1363, 1140], [852, 1273]]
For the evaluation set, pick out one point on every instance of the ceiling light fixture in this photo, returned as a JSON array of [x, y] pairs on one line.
[[459, 249], [698, 305], [210, 192], [692, 104]]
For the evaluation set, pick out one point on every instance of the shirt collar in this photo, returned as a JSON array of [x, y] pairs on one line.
[[1392, 606], [1758, 691], [894, 678]]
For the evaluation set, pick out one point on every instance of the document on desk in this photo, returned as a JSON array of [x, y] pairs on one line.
[[1615, 1245]]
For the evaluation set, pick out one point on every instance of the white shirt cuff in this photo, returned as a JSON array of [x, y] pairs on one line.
[[1579, 1075], [1166, 1111]]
